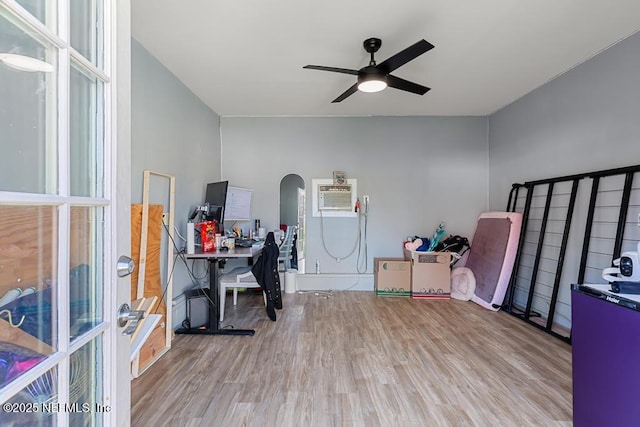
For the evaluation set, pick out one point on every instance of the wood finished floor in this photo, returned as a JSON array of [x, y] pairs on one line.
[[355, 359]]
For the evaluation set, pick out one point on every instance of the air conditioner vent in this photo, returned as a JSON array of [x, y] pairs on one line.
[[334, 197]]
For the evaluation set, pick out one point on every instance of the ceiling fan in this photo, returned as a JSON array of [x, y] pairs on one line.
[[374, 78]]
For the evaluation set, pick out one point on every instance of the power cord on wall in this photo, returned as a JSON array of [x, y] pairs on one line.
[[366, 254], [324, 244], [177, 232], [196, 281], [361, 240]]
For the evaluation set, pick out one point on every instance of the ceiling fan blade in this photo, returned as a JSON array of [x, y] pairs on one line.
[[402, 57], [402, 84], [333, 69], [353, 89]]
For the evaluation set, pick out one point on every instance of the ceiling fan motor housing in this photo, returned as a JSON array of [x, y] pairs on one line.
[[371, 73]]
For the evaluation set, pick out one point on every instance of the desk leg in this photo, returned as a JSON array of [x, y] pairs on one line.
[[214, 296]]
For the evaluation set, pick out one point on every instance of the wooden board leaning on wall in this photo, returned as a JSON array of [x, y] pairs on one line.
[[152, 277]]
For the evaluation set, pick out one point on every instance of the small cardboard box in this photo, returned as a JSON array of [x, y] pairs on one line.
[[430, 274], [392, 277]]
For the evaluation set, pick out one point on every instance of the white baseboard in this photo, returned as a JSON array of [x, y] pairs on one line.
[[334, 281]]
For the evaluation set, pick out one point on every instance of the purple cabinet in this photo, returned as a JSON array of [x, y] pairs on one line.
[[606, 357]]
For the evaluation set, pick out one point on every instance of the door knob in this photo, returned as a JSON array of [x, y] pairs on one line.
[[125, 266], [125, 314]]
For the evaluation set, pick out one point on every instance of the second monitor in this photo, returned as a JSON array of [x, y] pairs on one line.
[[227, 203]]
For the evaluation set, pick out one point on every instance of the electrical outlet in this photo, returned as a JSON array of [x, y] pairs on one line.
[[165, 218], [365, 199]]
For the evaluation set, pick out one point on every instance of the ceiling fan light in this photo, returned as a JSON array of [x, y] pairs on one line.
[[372, 85], [25, 63]]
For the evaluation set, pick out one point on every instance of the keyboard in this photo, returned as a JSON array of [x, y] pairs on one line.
[[245, 243]]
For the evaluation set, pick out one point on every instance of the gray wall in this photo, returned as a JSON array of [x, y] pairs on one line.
[[418, 171], [175, 133], [585, 120]]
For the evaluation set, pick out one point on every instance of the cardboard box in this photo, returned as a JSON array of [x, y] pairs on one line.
[[392, 277], [430, 274]]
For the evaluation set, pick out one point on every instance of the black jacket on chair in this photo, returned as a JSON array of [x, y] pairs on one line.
[[265, 270]]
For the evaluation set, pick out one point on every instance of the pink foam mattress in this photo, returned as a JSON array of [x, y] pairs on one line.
[[492, 254]]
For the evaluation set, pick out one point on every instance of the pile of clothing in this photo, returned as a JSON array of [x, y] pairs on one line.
[[419, 244], [424, 244]]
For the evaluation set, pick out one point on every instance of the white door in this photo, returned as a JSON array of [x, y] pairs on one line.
[[64, 211], [302, 228]]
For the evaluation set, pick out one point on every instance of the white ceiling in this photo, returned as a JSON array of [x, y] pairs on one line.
[[245, 57]]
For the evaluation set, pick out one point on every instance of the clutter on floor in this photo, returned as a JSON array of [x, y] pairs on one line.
[[463, 283], [429, 270]]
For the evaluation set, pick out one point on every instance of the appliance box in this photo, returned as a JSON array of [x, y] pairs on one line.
[[430, 274], [392, 277]]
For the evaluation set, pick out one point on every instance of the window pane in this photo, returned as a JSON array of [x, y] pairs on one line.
[[87, 133], [36, 405], [85, 385], [85, 279], [27, 115], [28, 261], [86, 29], [43, 10]]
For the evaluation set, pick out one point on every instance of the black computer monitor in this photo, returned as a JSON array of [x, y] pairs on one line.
[[216, 198]]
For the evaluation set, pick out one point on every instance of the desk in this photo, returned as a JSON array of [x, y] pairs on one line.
[[213, 258]]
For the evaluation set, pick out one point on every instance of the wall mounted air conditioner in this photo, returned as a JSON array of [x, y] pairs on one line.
[[330, 199], [334, 197]]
